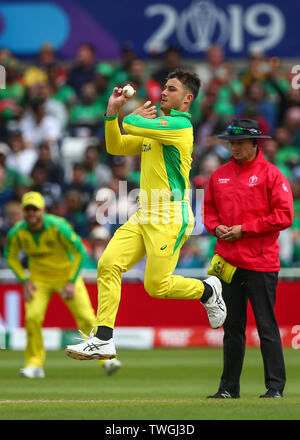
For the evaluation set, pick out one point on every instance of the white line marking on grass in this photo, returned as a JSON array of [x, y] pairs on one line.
[[102, 401]]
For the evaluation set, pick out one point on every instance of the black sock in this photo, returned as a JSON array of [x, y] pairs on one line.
[[104, 333], [208, 292]]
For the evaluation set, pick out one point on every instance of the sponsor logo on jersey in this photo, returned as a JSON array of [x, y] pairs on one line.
[[224, 180]]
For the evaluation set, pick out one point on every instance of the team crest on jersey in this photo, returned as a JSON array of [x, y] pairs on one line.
[[163, 122], [285, 188]]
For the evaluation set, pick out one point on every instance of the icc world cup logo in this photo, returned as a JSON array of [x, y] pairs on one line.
[[253, 180], [200, 25]]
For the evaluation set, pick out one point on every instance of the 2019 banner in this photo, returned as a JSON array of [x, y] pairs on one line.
[[151, 25]]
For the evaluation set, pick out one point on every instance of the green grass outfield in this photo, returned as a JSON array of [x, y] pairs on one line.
[[158, 384]]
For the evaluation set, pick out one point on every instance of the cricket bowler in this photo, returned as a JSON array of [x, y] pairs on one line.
[[164, 220]]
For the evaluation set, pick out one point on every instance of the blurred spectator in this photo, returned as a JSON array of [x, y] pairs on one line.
[[213, 67], [51, 191], [295, 230], [12, 98], [84, 69], [20, 159], [80, 185], [6, 191], [277, 86], [256, 69], [99, 205], [189, 256], [230, 90], [55, 171], [147, 88], [117, 202], [13, 179], [121, 73], [134, 174], [53, 106], [137, 78], [4, 55], [12, 214], [103, 84], [37, 127], [255, 101], [97, 174], [172, 59], [292, 123], [38, 72], [62, 92], [126, 189], [270, 149], [295, 184], [272, 78], [206, 167], [120, 169], [287, 155], [87, 117], [75, 212], [98, 239], [210, 123]]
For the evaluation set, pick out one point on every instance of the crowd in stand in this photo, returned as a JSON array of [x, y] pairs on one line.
[[52, 136]]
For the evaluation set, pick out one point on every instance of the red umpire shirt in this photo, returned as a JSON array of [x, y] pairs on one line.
[[257, 196]]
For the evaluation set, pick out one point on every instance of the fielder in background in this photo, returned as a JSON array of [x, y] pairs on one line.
[[55, 256], [164, 220]]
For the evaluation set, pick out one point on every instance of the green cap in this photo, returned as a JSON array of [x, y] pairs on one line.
[[105, 69]]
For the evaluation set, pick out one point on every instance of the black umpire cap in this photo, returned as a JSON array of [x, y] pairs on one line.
[[242, 129]]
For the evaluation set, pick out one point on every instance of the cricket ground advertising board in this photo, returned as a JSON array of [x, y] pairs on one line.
[[145, 322]]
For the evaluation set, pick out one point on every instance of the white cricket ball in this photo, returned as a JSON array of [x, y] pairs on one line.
[[129, 91]]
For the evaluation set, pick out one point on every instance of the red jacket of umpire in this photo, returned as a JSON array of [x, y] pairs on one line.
[[257, 196]]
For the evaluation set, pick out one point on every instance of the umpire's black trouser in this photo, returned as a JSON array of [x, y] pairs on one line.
[[260, 289]]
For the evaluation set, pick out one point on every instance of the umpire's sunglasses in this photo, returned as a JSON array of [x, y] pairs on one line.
[[241, 130]]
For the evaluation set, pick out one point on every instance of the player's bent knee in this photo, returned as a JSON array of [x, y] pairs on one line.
[[156, 289], [106, 262]]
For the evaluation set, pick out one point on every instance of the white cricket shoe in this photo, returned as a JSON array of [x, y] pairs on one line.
[[112, 366], [91, 348], [215, 305], [32, 372]]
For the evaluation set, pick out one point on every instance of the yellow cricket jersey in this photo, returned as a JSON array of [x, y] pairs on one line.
[[165, 145], [55, 253]]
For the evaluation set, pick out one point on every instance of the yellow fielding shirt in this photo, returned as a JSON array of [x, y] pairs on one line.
[[56, 253], [165, 145]]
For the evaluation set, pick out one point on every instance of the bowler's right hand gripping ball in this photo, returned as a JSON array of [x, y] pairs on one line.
[[129, 91]]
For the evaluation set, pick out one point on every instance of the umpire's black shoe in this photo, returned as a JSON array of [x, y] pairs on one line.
[[224, 395], [271, 394]]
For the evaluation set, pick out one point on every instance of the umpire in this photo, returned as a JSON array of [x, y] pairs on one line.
[[247, 203]]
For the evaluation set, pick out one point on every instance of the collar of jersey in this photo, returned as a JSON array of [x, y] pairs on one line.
[[46, 224], [174, 112]]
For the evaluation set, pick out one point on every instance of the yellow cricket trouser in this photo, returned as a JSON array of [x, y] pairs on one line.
[[80, 307], [161, 243]]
